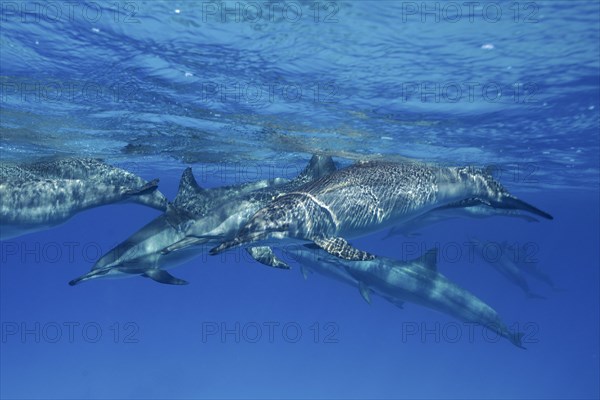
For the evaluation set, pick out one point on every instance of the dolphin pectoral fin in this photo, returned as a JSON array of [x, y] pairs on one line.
[[531, 295], [398, 303], [391, 232], [147, 188], [265, 255], [304, 272], [184, 243], [162, 276], [224, 246], [365, 292], [340, 248]]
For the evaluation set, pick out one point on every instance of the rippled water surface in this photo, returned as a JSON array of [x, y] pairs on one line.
[[248, 90]]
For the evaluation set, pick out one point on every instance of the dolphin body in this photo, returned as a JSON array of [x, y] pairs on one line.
[[519, 255], [499, 257], [218, 213], [40, 195], [367, 197], [411, 228], [416, 281]]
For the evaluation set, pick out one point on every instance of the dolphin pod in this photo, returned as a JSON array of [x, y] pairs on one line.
[[40, 195], [312, 217], [208, 215]]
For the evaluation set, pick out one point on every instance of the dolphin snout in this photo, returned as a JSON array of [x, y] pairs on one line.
[[517, 204]]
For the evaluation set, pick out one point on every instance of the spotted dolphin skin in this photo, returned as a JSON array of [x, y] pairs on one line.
[[367, 197], [415, 281], [197, 216], [40, 195]]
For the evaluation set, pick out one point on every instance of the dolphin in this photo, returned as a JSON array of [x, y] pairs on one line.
[[520, 256], [40, 195], [415, 281], [365, 198], [499, 257], [209, 214]]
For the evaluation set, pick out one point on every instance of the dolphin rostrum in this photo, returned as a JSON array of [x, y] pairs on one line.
[[36, 196], [367, 197], [415, 281], [197, 216]]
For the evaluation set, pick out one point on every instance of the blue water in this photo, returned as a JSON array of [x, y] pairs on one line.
[[157, 86]]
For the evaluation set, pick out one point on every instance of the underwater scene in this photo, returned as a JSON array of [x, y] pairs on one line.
[[299, 199]]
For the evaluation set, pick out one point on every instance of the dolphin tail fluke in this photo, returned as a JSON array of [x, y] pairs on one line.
[[162, 276], [517, 204]]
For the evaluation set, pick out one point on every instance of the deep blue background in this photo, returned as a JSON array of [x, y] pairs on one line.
[[136, 90]]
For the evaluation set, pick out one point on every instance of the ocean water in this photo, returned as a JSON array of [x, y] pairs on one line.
[[241, 91]]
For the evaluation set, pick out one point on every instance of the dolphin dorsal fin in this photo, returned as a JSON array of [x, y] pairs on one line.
[[429, 259], [317, 167], [188, 187]]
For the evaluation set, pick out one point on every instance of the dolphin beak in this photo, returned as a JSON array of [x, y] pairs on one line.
[[516, 204], [90, 275], [77, 280]]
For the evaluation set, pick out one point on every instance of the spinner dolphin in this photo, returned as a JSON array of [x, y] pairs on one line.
[[367, 197]]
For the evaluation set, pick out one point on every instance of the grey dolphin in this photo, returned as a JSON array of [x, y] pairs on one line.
[[40, 195], [415, 281], [202, 212], [520, 255], [502, 260], [367, 197]]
